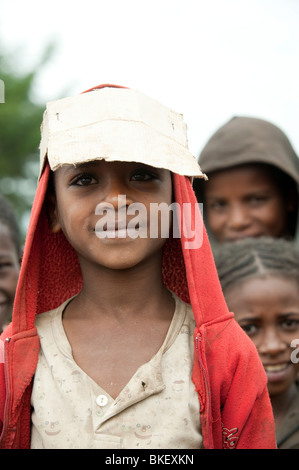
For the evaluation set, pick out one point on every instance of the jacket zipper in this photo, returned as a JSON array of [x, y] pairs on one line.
[[197, 341], [6, 407]]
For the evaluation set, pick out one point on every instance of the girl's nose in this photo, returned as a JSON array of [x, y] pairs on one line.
[[238, 218], [117, 193], [272, 344]]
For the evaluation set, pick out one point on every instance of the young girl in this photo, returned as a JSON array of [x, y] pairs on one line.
[[253, 174], [120, 336], [260, 281], [10, 255]]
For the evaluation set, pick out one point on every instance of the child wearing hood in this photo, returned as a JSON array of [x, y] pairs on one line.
[[121, 337], [252, 189]]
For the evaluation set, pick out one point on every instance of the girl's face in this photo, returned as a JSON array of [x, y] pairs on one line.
[[93, 207], [244, 202], [267, 308], [9, 273]]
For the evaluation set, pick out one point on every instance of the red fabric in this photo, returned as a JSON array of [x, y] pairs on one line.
[[228, 375], [103, 86]]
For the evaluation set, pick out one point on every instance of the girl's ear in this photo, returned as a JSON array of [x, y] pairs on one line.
[[52, 212]]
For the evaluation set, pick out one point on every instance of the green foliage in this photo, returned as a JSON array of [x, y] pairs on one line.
[[20, 120]]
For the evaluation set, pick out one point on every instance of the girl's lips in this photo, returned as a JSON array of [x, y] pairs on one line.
[[242, 236], [277, 372], [119, 233], [122, 231]]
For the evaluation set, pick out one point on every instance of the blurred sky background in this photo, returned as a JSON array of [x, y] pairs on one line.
[[208, 59]]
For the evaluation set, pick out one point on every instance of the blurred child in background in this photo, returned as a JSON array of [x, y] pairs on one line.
[[252, 189], [10, 255], [260, 281]]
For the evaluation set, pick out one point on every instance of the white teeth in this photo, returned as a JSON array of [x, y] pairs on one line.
[[276, 368]]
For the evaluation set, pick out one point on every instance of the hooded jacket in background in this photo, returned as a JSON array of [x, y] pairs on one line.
[[235, 409], [244, 140]]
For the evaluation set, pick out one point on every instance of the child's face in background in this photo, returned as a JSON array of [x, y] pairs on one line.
[[244, 202], [9, 273], [267, 308], [79, 191]]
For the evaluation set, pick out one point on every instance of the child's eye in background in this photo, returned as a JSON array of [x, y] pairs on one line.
[[218, 205], [249, 328], [5, 264], [257, 200], [290, 324]]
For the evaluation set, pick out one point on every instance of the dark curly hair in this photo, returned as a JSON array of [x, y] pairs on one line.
[[236, 261]]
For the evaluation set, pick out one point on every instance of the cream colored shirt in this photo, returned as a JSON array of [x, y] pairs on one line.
[[157, 409]]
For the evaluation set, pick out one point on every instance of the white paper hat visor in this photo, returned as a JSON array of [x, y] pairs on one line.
[[115, 124]]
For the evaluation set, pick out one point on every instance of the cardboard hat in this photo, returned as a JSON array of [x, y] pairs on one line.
[[115, 124]]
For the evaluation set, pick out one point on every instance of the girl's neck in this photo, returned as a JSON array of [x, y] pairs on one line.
[[123, 292], [280, 404]]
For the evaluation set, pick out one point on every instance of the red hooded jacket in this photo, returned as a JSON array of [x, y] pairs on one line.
[[227, 373]]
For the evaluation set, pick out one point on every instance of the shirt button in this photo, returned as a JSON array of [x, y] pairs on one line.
[[102, 400]]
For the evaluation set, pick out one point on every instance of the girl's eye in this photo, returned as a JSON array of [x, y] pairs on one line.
[[217, 205], [83, 180], [290, 324], [258, 200], [249, 329], [4, 265], [143, 175]]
